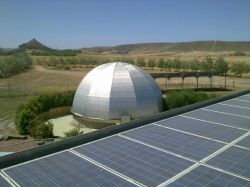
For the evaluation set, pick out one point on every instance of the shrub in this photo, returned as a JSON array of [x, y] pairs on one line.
[[41, 129], [54, 112], [28, 114], [185, 97], [23, 121], [73, 132], [14, 64]]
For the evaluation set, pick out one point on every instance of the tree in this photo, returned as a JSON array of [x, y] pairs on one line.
[[161, 63], [168, 64], [4, 68], [194, 65], [151, 63], [184, 65], [176, 64], [221, 66], [208, 64], [239, 68], [140, 62]]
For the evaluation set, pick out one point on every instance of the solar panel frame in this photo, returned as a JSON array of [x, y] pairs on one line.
[[139, 162], [224, 119], [244, 97], [230, 109], [234, 159], [63, 169], [202, 128], [3, 182], [237, 103], [245, 142], [205, 176], [193, 147]]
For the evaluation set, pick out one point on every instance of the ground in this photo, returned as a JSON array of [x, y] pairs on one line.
[[63, 124]]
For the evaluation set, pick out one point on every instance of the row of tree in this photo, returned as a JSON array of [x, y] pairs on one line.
[[52, 52], [208, 64], [14, 64]]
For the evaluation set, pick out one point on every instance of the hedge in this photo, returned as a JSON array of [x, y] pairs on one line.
[[29, 117]]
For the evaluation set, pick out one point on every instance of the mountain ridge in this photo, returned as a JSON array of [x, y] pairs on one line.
[[33, 45], [156, 47], [208, 46]]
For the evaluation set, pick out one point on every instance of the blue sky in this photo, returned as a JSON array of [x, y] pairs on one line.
[[84, 23]]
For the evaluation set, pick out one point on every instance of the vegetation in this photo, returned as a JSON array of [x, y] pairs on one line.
[[14, 64], [239, 68], [141, 62], [151, 63], [38, 49], [5, 52], [221, 65], [41, 129], [239, 53], [27, 118], [53, 52], [181, 98], [75, 131]]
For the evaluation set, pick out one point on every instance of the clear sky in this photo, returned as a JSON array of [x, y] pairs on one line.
[[84, 23]]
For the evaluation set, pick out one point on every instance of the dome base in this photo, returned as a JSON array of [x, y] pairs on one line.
[[95, 123]]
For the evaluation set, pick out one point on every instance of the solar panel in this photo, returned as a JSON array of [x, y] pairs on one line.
[[204, 147], [237, 102], [63, 169], [244, 97], [226, 119], [3, 182], [234, 159], [139, 162], [203, 128], [245, 142], [230, 110], [204, 176], [180, 143]]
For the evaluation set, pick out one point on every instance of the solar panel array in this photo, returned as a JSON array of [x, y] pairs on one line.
[[209, 146]]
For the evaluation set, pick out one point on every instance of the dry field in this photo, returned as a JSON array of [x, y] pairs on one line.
[[182, 55]]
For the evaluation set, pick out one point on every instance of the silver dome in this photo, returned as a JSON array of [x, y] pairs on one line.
[[117, 89]]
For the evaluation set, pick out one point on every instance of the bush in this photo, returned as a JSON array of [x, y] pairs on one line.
[[24, 121], [185, 97], [41, 129], [54, 112], [28, 114], [73, 132], [14, 64]]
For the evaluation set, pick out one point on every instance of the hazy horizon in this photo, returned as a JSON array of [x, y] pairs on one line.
[[79, 24]]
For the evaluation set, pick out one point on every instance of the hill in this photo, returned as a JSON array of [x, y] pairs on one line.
[[209, 46], [33, 45]]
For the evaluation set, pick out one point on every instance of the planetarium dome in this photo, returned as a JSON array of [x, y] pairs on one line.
[[113, 90]]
